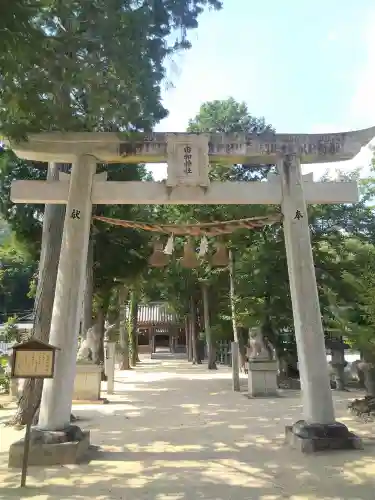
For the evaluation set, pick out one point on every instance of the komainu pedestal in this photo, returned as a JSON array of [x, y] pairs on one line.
[[68, 446], [262, 378], [87, 382]]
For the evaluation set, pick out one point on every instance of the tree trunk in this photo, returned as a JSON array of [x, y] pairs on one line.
[[232, 296], [193, 332], [189, 346], [98, 338], [87, 321], [368, 368], [135, 357], [124, 337], [338, 367], [137, 360], [207, 327], [53, 224], [282, 369], [98, 348], [360, 372], [132, 326], [361, 378], [236, 348]]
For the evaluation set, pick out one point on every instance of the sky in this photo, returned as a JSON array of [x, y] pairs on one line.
[[307, 67]]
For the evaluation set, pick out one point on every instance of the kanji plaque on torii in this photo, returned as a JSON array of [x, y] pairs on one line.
[[188, 157], [187, 160]]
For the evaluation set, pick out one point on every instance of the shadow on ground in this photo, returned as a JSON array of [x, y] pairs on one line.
[[179, 433]]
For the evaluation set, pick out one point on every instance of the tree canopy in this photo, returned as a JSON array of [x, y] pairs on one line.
[[17, 270], [83, 65]]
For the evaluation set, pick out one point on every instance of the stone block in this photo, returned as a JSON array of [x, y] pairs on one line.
[[312, 438], [51, 449], [87, 382], [262, 378]]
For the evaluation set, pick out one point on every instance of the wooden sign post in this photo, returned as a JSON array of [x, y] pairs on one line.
[[34, 360]]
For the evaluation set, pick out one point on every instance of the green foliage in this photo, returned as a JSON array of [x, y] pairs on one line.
[[87, 66], [353, 312], [10, 334], [120, 254], [227, 117], [25, 220], [11, 331], [4, 231], [4, 374], [84, 65], [16, 271]]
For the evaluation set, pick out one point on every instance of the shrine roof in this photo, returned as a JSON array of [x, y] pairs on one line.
[[155, 313]]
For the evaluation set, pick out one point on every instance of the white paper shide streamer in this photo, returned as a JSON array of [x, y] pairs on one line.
[[168, 250], [203, 247]]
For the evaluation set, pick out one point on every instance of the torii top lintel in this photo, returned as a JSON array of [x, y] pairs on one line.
[[111, 147]]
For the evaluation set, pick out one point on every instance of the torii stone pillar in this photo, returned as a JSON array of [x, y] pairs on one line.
[[319, 429], [313, 367], [56, 401]]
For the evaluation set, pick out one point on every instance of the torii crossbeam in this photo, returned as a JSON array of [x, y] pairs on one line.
[[239, 148], [219, 193]]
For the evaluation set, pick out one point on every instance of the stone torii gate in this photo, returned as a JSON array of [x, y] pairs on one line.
[[188, 157]]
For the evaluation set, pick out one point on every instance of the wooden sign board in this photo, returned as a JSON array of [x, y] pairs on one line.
[[33, 359]]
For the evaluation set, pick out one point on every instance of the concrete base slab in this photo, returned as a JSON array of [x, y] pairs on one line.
[[50, 453], [311, 438]]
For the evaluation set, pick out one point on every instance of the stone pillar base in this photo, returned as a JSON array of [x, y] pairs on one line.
[[262, 378], [311, 438], [69, 446]]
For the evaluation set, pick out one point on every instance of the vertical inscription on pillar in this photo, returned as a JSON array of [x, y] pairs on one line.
[[75, 214]]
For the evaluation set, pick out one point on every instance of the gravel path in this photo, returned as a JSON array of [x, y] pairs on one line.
[[174, 432]]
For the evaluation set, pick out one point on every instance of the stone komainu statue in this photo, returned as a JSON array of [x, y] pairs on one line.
[[89, 350], [260, 347]]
